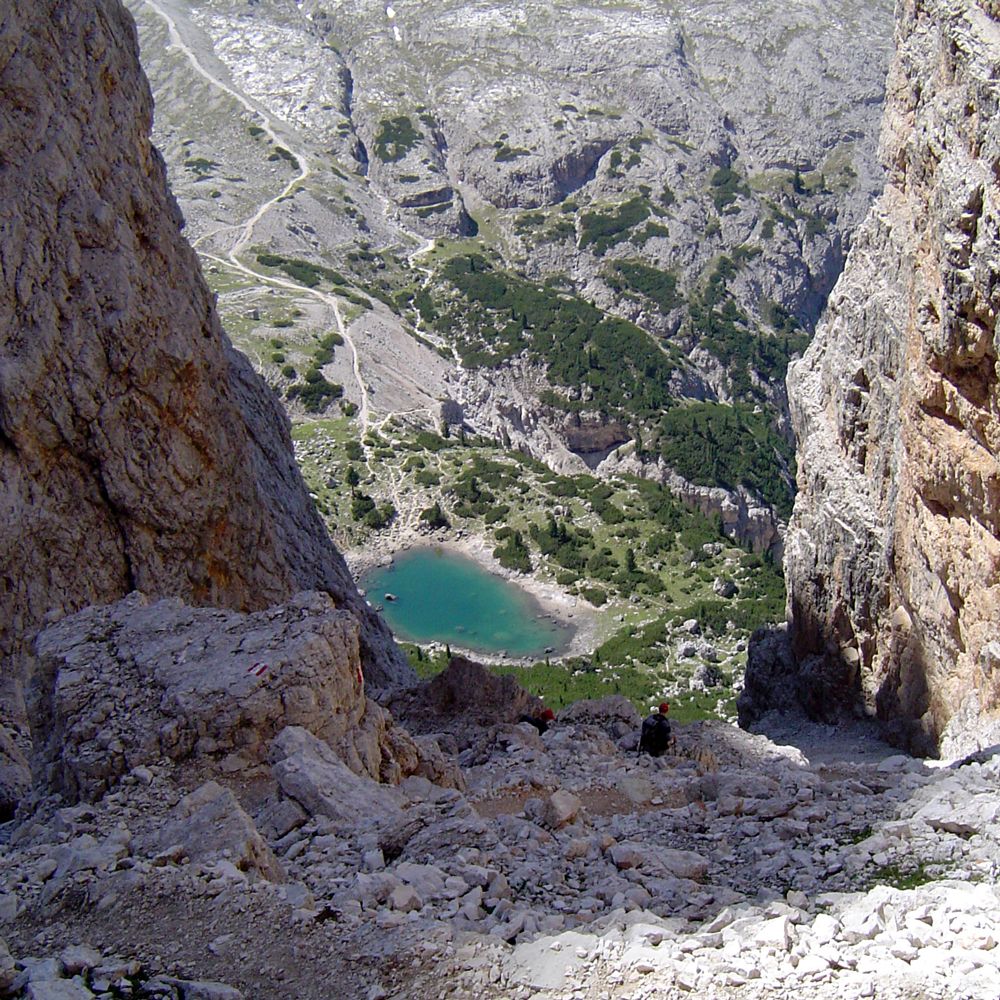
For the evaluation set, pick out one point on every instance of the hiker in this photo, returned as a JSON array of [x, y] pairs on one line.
[[540, 722], [655, 736]]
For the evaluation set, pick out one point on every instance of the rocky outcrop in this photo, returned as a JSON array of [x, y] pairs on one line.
[[742, 514], [466, 690], [138, 450], [893, 553], [124, 686]]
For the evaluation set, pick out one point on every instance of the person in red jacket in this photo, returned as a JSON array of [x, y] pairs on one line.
[[540, 722]]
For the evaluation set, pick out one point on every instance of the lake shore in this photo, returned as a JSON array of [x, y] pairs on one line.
[[565, 609]]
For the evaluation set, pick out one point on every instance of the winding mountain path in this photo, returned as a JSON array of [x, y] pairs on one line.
[[246, 229]]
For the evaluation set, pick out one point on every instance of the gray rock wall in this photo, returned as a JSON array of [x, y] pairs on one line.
[[893, 552], [138, 450]]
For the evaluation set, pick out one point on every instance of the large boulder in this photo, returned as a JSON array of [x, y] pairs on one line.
[[466, 691], [209, 824], [615, 714], [309, 772], [126, 684]]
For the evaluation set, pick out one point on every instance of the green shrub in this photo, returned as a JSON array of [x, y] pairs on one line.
[[514, 554], [426, 477], [381, 517], [634, 276], [726, 186], [200, 166], [302, 271], [395, 138], [603, 230], [434, 517], [315, 393], [507, 153], [726, 332]]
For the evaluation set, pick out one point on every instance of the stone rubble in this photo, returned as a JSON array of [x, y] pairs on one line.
[[567, 867]]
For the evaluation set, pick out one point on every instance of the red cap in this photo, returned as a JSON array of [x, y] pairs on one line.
[[548, 715], [664, 707]]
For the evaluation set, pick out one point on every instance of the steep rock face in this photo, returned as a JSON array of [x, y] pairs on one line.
[[893, 553], [138, 450]]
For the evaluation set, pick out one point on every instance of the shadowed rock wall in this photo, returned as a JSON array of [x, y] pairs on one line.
[[893, 552], [138, 450]]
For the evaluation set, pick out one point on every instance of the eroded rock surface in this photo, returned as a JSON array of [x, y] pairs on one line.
[[121, 686], [892, 555], [137, 448]]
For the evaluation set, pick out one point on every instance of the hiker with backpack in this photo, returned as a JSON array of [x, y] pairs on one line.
[[655, 736]]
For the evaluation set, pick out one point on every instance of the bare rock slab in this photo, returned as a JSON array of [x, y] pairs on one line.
[[311, 773], [209, 823], [196, 681]]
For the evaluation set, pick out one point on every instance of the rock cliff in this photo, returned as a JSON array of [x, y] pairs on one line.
[[138, 450], [893, 552]]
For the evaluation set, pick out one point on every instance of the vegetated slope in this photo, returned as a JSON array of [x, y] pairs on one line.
[[138, 450], [894, 547], [664, 601], [681, 170]]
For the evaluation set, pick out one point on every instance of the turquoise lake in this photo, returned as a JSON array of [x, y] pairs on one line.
[[444, 597]]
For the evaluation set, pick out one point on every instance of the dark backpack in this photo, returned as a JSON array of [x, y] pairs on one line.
[[655, 736], [539, 723]]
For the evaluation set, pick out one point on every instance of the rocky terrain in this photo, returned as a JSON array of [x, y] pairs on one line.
[[686, 173], [231, 794], [507, 863], [892, 554], [139, 449]]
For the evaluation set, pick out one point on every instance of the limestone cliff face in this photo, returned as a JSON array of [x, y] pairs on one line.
[[893, 553], [138, 450]]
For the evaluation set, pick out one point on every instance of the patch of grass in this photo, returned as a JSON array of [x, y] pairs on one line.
[[901, 876]]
